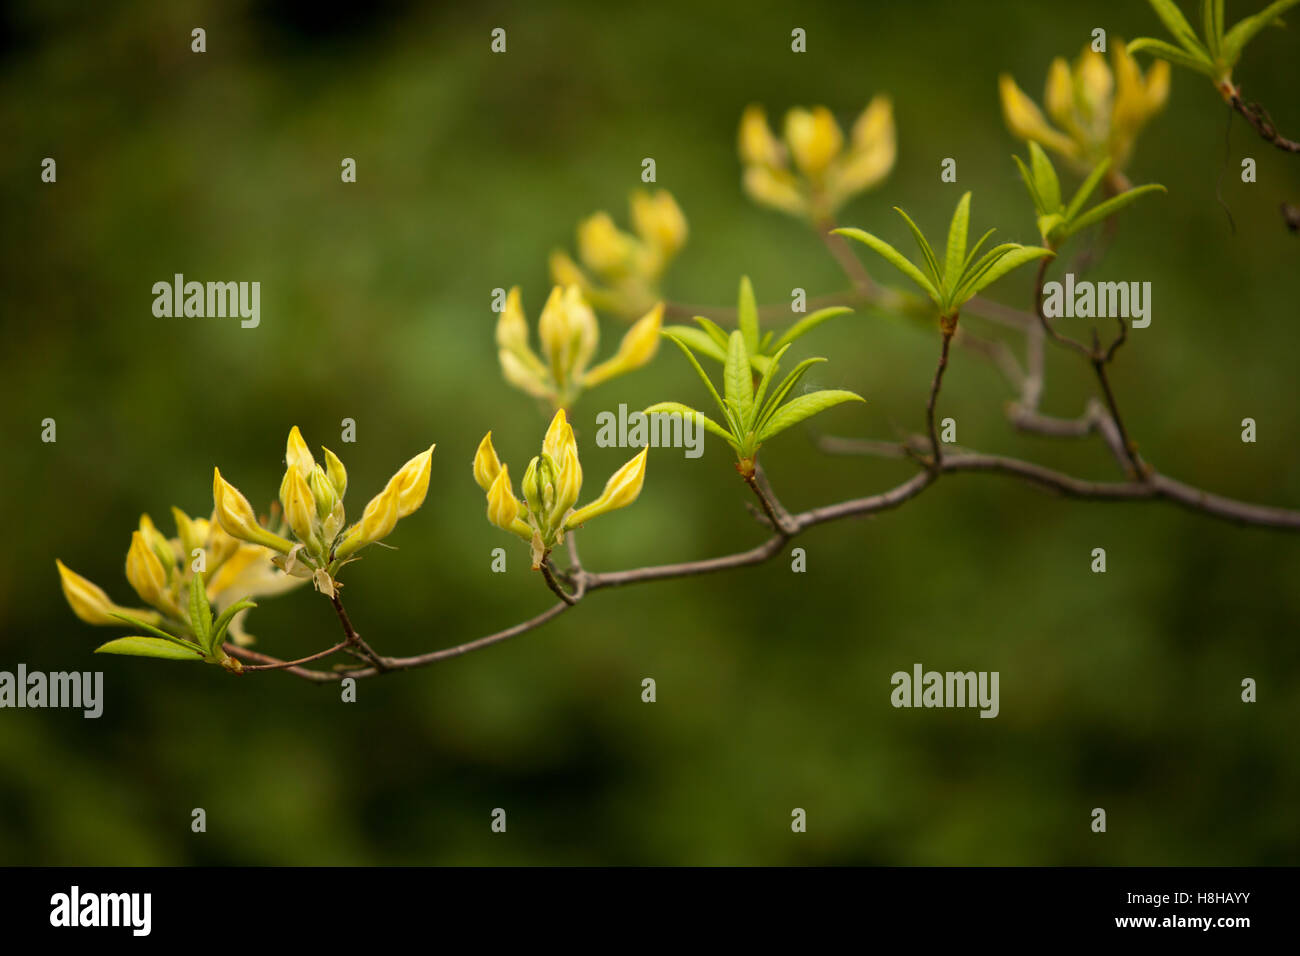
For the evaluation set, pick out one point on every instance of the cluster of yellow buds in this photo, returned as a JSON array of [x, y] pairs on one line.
[[620, 271], [825, 174], [1099, 111], [311, 502], [569, 336], [162, 571], [551, 487]]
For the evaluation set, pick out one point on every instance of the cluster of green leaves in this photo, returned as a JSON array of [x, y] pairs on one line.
[[1218, 51], [753, 414], [201, 640], [711, 340], [961, 276], [1057, 221]]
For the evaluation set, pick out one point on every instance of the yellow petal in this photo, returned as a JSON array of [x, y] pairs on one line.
[[638, 347], [758, 147], [564, 271], [568, 483], [602, 246], [1157, 86], [659, 221], [557, 435], [1096, 83], [620, 491], [237, 518], [486, 463], [412, 481], [512, 327], [1059, 96], [300, 507], [89, 602], [297, 454], [338, 475], [502, 505], [521, 376], [815, 139], [1026, 121], [144, 571], [775, 188]]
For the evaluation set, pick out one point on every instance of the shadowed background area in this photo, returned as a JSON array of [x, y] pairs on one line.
[[1118, 690]]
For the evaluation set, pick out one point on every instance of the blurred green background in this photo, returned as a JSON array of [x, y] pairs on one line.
[[1118, 690]]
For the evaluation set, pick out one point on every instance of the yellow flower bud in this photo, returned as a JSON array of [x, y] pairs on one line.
[[602, 246], [521, 376], [144, 571], [564, 271], [569, 333], [568, 483], [638, 347], [502, 505], [758, 147], [236, 516], [776, 188], [412, 481], [157, 542], [1059, 95], [620, 491], [558, 436], [512, 327], [338, 475], [192, 534], [1095, 85], [660, 222], [815, 139], [322, 491], [220, 543], [297, 454], [486, 463], [1026, 121], [89, 602], [300, 507], [377, 521]]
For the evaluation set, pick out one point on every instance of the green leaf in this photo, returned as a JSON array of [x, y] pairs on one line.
[[782, 390], [805, 406], [1011, 260], [895, 258], [958, 230], [772, 368], [223, 622], [708, 383], [982, 265], [807, 324], [709, 424], [1177, 25], [1247, 28], [200, 612], [715, 332], [700, 341], [1049, 187], [1111, 206], [148, 647], [1030, 186], [1212, 36], [924, 245], [974, 251], [145, 625], [747, 315], [738, 380], [1087, 188], [1167, 51]]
